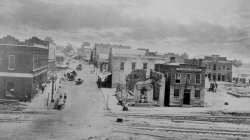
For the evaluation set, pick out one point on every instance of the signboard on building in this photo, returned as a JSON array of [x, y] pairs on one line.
[[188, 69]]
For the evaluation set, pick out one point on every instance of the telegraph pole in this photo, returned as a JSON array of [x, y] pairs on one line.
[[53, 79]]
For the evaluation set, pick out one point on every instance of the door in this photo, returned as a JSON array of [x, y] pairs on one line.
[[186, 98]]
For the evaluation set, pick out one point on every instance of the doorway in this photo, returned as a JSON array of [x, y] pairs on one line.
[[223, 78], [186, 98], [214, 77]]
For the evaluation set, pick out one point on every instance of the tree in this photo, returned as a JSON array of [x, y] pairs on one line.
[[85, 44], [49, 39], [68, 49], [184, 55], [237, 64]]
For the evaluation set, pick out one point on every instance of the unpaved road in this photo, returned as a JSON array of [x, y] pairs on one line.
[[84, 117]]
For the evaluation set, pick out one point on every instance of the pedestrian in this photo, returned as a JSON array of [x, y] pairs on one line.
[[215, 85], [99, 82], [65, 97], [43, 87], [60, 103]]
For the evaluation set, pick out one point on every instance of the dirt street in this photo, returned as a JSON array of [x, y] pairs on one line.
[[83, 116]]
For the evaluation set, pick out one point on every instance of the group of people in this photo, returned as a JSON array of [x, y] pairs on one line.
[[60, 102], [213, 87]]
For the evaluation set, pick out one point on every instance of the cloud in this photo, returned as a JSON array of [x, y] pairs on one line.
[[52, 16], [147, 22]]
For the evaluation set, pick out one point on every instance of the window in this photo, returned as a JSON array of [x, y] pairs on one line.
[[122, 66], [197, 94], [188, 78], [145, 65], [224, 67], [9, 89], [209, 65], [172, 59], [214, 66], [228, 68], [198, 79], [133, 65], [11, 62], [177, 78], [176, 93]]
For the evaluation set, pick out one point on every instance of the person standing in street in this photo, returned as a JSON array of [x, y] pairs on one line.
[[43, 87], [61, 102]]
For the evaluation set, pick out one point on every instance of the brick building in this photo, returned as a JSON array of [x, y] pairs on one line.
[[123, 61], [23, 67], [218, 68], [185, 84]]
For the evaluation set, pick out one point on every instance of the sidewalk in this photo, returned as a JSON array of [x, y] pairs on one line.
[[41, 101]]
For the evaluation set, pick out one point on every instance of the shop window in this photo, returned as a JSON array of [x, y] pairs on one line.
[[10, 89], [176, 93], [197, 94]]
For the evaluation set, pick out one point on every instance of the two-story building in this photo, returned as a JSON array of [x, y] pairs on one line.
[[23, 67], [185, 84], [218, 68], [101, 52], [123, 61]]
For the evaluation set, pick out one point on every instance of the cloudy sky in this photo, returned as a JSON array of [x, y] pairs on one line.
[[198, 27]]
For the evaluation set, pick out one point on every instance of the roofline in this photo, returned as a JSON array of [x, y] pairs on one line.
[[16, 45]]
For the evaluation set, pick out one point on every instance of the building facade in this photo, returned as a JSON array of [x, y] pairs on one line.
[[23, 67], [101, 50], [218, 68], [123, 61], [185, 84], [60, 58], [52, 56]]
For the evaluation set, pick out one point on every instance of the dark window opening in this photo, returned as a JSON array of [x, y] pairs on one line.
[[133, 65], [145, 65], [197, 94], [122, 66], [176, 93], [177, 78]]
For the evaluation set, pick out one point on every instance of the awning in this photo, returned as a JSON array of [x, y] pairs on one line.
[[104, 74]]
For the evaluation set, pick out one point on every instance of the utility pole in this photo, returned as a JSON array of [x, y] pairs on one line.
[[53, 79]]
